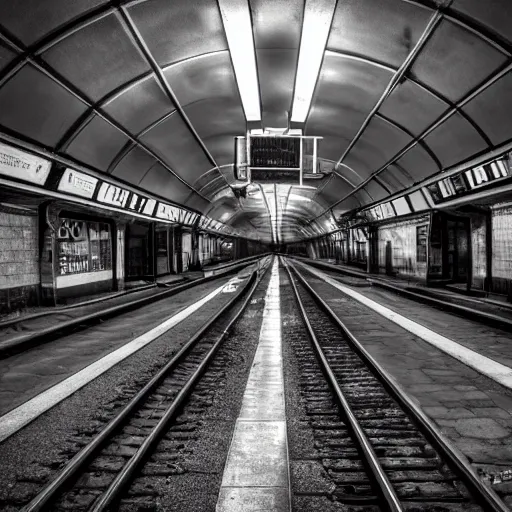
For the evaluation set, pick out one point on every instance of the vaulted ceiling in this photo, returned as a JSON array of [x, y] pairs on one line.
[[146, 91]]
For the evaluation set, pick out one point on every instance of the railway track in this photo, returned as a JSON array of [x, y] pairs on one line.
[[137, 441], [377, 447], [21, 342]]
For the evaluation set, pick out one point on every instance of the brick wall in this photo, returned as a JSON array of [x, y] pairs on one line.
[[19, 261]]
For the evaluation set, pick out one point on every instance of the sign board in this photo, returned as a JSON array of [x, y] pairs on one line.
[[113, 195], [77, 183], [23, 166], [476, 178], [168, 212], [141, 204]]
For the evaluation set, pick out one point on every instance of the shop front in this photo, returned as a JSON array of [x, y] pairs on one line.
[[77, 257]]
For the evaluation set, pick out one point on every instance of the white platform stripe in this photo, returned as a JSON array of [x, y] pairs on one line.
[[492, 369], [27, 412], [256, 475]]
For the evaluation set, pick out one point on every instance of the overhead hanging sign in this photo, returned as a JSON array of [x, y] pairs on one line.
[[473, 179], [77, 183], [23, 166]]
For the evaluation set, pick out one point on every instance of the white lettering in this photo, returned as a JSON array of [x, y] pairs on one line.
[[113, 195], [499, 169], [480, 175]]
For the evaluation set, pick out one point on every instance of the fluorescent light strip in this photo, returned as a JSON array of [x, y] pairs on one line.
[[315, 31], [237, 24]]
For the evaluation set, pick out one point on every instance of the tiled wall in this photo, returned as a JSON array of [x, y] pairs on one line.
[[502, 250], [19, 261]]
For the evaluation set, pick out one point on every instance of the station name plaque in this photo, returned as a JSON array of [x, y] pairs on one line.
[[23, 166]]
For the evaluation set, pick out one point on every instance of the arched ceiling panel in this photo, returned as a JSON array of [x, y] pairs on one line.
[[418, 163], [496, 14], [208, 76], [219, 145], [277, 31], [6, 56], [276, 23], [160, 181], [276, 69], [395, 178], [376, 191], [494, 116], [140, 105], [134, 165], [412, 107], [349, 174], [175, 31], [335, 190], [455, 140], [379, 143], [97, 143], [207, 91], [387, 37], [346, 91], [172, 140], [455, 61], [42, 19], [37, 107], [98, 58]]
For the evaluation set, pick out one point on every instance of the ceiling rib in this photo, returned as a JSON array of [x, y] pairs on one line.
[[157, 70], [82, 120], [361, 58], [506, 68], [38, 63], [467, 23], [422, 143], [162, 80], [415, 81], [400, 73]]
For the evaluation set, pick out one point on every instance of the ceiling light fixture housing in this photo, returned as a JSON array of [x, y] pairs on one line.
[[238, 27]]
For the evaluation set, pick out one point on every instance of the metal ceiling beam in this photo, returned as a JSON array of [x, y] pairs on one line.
[[422, 143], [42, 66], [396, 78], [497, 75], [159, 74], [468, 23]]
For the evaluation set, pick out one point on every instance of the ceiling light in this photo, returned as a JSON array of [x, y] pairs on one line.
[[315, 30], [237, 24]]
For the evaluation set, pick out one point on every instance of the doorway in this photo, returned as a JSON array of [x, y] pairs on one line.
[[457, 249]]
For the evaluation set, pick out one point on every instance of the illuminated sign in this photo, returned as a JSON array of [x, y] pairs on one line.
[[473, 179], [168, 212], [113, 195], [141, 204], [23, 166], [77, 183]]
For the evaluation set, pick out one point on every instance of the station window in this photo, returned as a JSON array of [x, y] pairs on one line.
[[421, 244], [83, 246]]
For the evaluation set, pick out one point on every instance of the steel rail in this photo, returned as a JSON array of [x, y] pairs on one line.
[[463, 311], [484, 495], [24, 342], [384, 485], [50, 492]]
